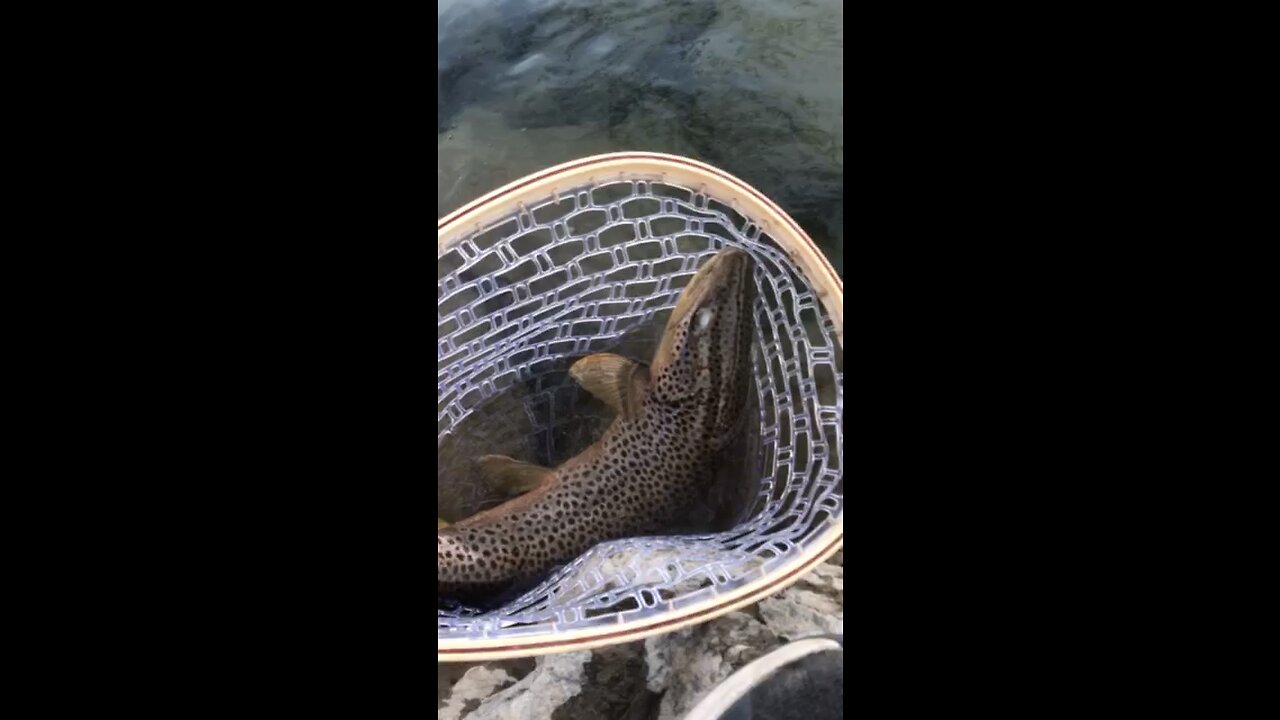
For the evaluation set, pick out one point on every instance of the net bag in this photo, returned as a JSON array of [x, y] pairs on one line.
[[590, 256]]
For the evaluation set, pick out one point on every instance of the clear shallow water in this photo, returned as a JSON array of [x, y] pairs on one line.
[[752, 86]]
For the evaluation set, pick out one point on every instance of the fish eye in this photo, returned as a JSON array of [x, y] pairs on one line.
[[703, 319]]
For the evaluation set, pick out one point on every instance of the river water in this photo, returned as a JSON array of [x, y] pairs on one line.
[[752, 86]]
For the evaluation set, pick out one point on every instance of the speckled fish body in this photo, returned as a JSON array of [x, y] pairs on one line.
[[674, 419]]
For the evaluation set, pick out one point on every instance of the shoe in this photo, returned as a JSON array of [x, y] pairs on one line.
[[802, 680]]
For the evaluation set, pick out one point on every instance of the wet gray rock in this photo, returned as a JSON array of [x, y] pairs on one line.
[[554, 680], [685, 664], [615, 688], [477, 684], [662, 677], [461, 686], [814, 604]]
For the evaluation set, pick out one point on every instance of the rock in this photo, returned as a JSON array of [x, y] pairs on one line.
[[663, 676], [827, 579], [685, 664], [614, 688], [456, 688], [801, 614], [554, 680], [477, 684], [812, 606]]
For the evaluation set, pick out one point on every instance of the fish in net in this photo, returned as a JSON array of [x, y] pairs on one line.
[[591, 257]]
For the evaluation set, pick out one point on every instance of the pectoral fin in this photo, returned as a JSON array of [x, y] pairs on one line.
[[512, 476], [615, 380]]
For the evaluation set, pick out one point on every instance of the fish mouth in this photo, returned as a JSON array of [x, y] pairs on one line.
[[729, 267], [725, 284]]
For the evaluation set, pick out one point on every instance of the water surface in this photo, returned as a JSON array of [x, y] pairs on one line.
[[752, 86]]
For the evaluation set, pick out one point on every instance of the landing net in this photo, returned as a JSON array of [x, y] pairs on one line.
[[588, 267]]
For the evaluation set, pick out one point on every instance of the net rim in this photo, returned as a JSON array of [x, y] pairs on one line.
[[656, 166], [788, 234]]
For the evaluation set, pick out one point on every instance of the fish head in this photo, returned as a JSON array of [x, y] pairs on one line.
[[705, 353]]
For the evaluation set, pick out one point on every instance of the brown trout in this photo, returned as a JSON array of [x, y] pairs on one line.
[[674, 418]]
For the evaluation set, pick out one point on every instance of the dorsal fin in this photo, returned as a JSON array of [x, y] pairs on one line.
[[615, 380], [512, 476]]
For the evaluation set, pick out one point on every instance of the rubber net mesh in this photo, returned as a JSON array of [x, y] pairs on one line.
[[598, 268]]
